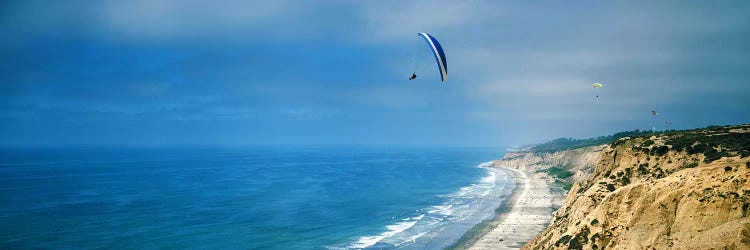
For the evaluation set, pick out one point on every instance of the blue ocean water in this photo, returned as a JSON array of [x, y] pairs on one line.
[[245, 197]]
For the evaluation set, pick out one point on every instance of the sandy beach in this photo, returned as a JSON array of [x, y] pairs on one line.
[[526, 213]]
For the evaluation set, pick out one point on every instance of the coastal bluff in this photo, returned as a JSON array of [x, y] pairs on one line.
[[541, 178], [670, 190], [577, 163]]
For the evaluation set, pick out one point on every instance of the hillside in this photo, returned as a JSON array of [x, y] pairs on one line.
[[678, 189], [561, 144], [564, 166], [529, 209]]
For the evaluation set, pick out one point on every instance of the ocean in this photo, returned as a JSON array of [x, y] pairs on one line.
[[245, 197]]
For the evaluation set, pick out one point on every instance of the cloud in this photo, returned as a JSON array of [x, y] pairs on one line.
[[517, 71], [179, 19], [399, 21], [165, 21]]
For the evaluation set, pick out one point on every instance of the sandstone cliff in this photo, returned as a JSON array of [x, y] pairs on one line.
[[681, 190], [578, 162]]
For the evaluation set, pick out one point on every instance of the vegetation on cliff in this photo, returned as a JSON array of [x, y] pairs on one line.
[[714, 142], [570, 143], [680, 139], [561, 174], [674, 189]]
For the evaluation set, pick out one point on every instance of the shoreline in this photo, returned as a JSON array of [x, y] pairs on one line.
[[526, 213]]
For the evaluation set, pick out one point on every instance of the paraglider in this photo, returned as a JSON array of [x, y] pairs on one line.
[[597, 85], [653, 118], [437, 51]]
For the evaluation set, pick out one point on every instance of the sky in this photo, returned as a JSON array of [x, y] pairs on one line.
[[169, 72]]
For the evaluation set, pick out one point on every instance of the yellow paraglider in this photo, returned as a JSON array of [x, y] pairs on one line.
[[597, 85]]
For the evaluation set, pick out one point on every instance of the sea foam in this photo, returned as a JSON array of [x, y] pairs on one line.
[[393, 229], [457, 208]]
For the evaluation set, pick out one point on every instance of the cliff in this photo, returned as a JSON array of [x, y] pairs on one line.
[[529, 209], [682, 190], [565, 166]]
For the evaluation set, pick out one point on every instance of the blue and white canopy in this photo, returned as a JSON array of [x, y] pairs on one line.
[[437, 50]]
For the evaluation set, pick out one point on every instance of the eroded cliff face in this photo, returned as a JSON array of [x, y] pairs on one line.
[[682, 191], [579, 161]]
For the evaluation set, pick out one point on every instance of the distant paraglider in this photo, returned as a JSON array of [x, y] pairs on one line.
[[597, 85], [653, 118], [440, 59]]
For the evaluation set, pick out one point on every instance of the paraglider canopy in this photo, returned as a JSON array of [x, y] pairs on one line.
[[597, 85], [437, 50]]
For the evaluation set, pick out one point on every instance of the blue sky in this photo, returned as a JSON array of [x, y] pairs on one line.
[[335, 72]]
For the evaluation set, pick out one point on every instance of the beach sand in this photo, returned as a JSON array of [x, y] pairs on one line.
[[525, 214]]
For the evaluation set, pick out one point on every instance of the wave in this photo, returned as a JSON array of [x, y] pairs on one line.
[[486, 164], [441, 209], [412, 239], [367, 241], [460, 207]]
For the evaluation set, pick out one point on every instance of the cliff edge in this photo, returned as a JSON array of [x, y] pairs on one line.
[[565, 166], [679, 189]]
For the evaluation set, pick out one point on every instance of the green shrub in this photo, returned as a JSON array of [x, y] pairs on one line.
[[659, 150], [698, 148], [625, 181], [563, 240], [691, 165], [712, 155], [643, 169], [559, 172], [565, 185]]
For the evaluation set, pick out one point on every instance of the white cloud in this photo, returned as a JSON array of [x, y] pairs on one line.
[[401, 20], [173, 18]]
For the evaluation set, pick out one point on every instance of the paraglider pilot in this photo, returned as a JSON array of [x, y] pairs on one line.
[[413, 75]]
